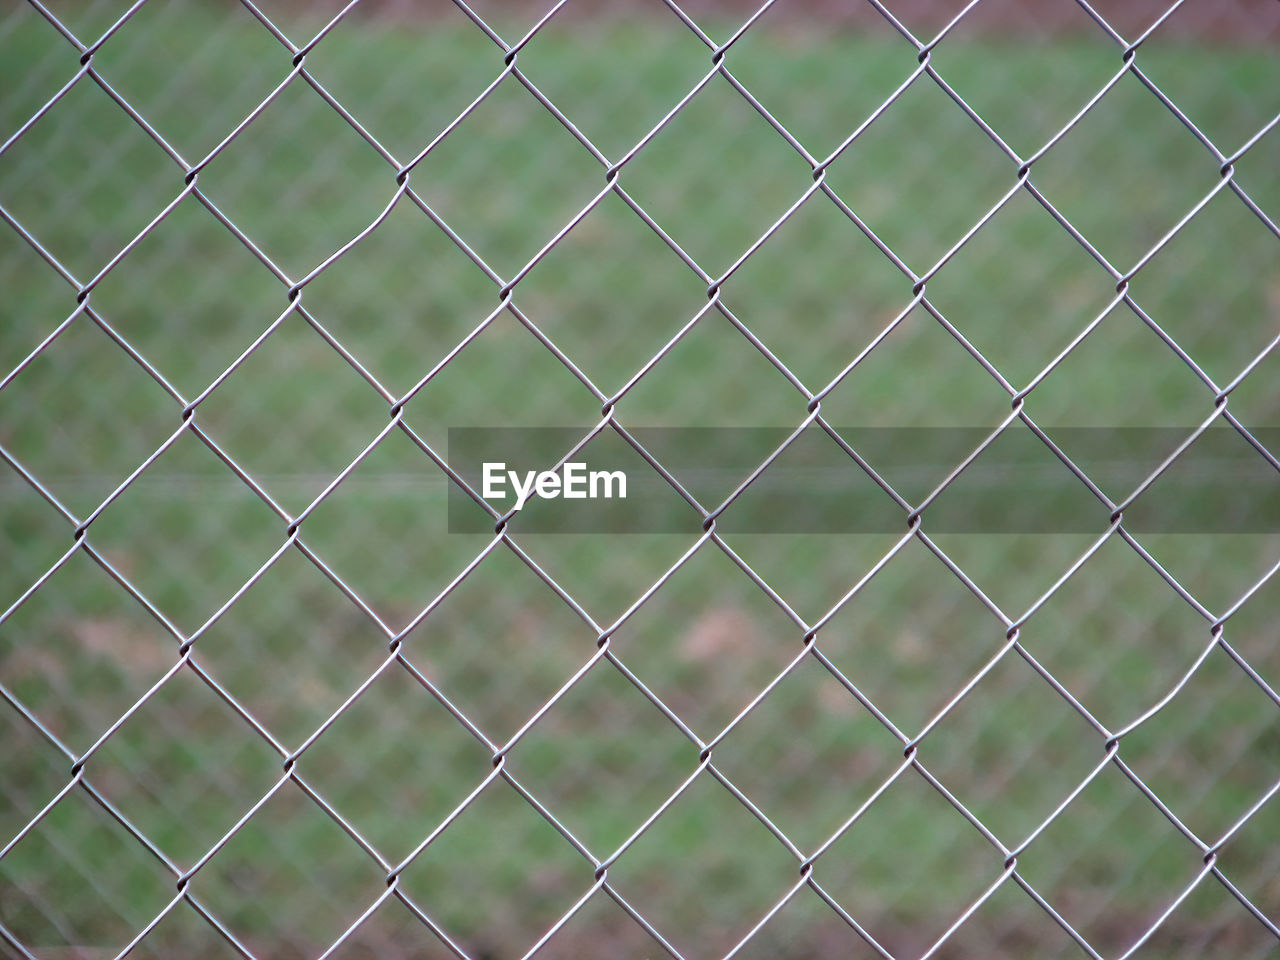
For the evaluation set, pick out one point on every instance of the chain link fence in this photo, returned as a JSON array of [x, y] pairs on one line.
[[259, 699]]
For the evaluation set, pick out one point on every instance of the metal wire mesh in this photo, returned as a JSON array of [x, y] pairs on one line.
[[257, 699]]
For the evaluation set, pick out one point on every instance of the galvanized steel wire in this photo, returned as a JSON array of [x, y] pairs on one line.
[[1220, 160]]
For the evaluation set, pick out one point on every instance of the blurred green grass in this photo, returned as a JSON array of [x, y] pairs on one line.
[[300, 183]]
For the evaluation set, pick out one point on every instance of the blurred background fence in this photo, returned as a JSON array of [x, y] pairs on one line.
[[257, 700]]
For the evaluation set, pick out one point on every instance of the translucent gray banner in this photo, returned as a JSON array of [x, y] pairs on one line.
[[772, 480]]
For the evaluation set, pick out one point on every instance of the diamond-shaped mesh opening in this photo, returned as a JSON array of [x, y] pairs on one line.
[[37, 62], [1012, 317], [1111, 893], [911, 637], [396, 732], [41, 768], [292, 649], [602, 759], [82, 454], [811, 572], [205, 72], [189, 298], [86, 161], [80, 651], [749, 390], [1187, 76], [890, 177], [820, 83], [843, 283], [1011, 751], [887, 870], [734, 870], [260, 418], [506, 376], [396, 496], [601, 925], [88, 21], [582, 565], [1231, 249], [1045, 76], [1117, 655], [289, 844], [47, 302], [498, 874], [508, 162], [722, 149], [174, 550], [80, 879], [1211, 753], [808, 755], [1101, 179], [184, 753], [85, 179], [1013, 570], [323, 186], [33, 534], [1017, 483], [615, 77], [398, 314], [1217, 568], [707, 655], [500, 644], [916, 375], [1010, 924], [729, 469], [425, 77], [1149, 384], [615, 291]]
